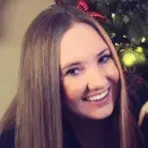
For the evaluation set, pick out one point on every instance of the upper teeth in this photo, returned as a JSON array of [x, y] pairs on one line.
[[98, 97]]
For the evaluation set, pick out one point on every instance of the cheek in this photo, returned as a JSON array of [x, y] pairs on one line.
[[73, 88], [112, 72]]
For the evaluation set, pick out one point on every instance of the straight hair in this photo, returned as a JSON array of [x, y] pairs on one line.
[[36, 111]]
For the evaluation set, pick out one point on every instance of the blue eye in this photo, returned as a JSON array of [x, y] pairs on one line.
[[73, 72], [105, 58]]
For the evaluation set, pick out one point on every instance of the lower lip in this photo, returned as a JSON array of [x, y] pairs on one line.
[[101, 102]]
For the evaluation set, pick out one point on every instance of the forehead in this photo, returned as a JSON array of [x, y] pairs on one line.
[[80, 42]]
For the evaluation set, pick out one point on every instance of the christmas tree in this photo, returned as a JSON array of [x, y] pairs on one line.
[[126, 22]]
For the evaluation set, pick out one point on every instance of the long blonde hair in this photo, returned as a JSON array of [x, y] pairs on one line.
[[36, 110]]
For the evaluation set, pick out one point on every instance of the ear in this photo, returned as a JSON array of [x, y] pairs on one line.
[[143, 113]]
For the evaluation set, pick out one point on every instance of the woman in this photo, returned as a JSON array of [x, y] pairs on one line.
[[71, 89]]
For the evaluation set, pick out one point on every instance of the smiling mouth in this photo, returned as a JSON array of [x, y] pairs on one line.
[[98, 97]]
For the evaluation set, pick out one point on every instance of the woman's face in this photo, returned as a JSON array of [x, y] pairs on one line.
[[89, 74]]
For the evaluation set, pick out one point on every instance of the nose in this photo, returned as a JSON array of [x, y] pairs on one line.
[[96, 79]]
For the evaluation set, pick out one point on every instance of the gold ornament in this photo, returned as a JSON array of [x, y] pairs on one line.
[[139, 49], [141, 59], [129, 58]]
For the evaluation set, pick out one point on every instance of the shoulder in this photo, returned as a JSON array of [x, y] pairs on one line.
[[7, 139], [144, 128]]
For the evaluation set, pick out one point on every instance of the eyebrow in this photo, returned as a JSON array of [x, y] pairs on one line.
[[77, 63], [102, 52]]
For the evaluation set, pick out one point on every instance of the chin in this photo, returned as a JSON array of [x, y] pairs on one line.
[[102, 114]]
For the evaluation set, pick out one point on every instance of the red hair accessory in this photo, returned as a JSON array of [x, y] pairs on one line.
[[82, 4]]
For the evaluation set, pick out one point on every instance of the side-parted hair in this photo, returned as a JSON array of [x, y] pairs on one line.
[[36, 112]]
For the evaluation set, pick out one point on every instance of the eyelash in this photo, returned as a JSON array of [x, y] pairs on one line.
[[104, 58], [72, 71]]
